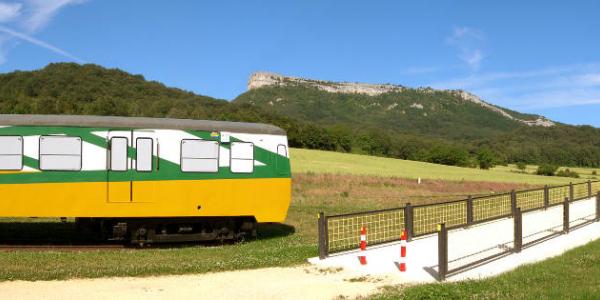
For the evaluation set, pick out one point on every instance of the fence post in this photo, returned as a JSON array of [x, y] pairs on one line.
[[513, 201], [518, 221], [589, 189], [442, 252], [546, 197], [323, 241], [470, 210], [571, 192], [408, 221], [598, 207], [566, 216]]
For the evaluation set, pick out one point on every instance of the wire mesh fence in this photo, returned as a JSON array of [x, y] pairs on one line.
[[558, 194], [531, 199], [382, 226], [491, 207], [426, 218], [581, 191], [339, 233]]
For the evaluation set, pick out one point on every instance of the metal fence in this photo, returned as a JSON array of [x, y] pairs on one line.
[[447, 267], [339, 233]]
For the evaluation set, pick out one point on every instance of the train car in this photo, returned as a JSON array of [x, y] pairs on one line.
[[145, 180]]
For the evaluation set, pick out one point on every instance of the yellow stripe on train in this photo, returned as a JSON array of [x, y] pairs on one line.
[[266, 199]]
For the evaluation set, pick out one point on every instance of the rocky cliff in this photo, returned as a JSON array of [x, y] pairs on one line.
[[263, 79]]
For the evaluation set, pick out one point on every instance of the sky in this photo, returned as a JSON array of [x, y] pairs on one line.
[[539, 57]]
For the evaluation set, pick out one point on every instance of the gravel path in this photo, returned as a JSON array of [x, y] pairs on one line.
[[307, 282]]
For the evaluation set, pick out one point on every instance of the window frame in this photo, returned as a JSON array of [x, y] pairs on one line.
[[127, 166], [231, 157], [218, 158], [22, 152], [137, 153], [60, 136]]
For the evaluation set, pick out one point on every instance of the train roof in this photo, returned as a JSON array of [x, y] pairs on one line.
[[137, 122]]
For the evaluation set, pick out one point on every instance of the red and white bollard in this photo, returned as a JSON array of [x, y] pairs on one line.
[[402, 262], [363, 245]]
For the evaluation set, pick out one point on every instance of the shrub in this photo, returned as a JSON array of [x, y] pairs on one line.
[[567, 173], [594, 173], [521, 166], [546, 170], [486, 159]]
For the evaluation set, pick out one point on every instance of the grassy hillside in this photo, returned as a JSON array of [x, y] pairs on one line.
[[304, 160], [410, 111]]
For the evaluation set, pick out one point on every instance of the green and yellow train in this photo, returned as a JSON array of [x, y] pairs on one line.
[[145, 179]]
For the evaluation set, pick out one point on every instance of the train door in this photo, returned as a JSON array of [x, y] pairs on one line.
[[120, 161], [145, 167], [131, 166]]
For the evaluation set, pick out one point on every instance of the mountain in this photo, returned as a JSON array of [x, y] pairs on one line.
[[424, 116], [447, 127], [441, 113]]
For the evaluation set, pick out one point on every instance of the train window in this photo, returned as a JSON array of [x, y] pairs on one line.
[[11, 153], [144, 154], [60, 153], [199, 156], [242, 157], [281, 161], [118, 154]]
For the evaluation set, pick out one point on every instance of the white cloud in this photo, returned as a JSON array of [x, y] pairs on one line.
[[468, 41], [9, 11], [42, 11], [24, 19]]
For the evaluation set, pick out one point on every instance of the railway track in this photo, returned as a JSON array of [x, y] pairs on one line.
[[5, 248]]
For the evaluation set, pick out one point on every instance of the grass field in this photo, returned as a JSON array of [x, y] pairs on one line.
[[349, 183], [573, 275], [304, 160]]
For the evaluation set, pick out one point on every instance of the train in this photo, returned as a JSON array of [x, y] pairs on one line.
[[145, 180]]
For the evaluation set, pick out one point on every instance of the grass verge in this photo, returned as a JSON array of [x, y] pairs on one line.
[[573, 275]]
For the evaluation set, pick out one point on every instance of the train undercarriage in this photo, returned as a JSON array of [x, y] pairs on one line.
[[142, 231]]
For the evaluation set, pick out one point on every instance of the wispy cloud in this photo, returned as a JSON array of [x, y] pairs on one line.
[[9, 11], [25, 18], [468, 41], [41, 12], [551, 87], [40, 43]]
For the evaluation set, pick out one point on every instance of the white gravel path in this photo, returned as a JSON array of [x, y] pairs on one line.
[[306, 282]]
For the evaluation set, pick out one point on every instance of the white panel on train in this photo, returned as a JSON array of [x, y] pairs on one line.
[[60, 153], [60, 163], [11, 153], [242, 157], [118, 154], [144, 154], [60, 145], [199, 156]]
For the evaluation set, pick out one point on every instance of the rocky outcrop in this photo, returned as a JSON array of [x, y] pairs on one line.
[[262, 79]]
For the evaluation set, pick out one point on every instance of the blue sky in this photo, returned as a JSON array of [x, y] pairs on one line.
[[540, 56]]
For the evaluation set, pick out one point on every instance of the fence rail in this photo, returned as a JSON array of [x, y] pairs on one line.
[[339, 233]]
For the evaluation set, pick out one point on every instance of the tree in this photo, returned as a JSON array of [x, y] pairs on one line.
[[486, 159]]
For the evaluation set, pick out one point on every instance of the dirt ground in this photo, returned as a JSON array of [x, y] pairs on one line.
[[305, 282]]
